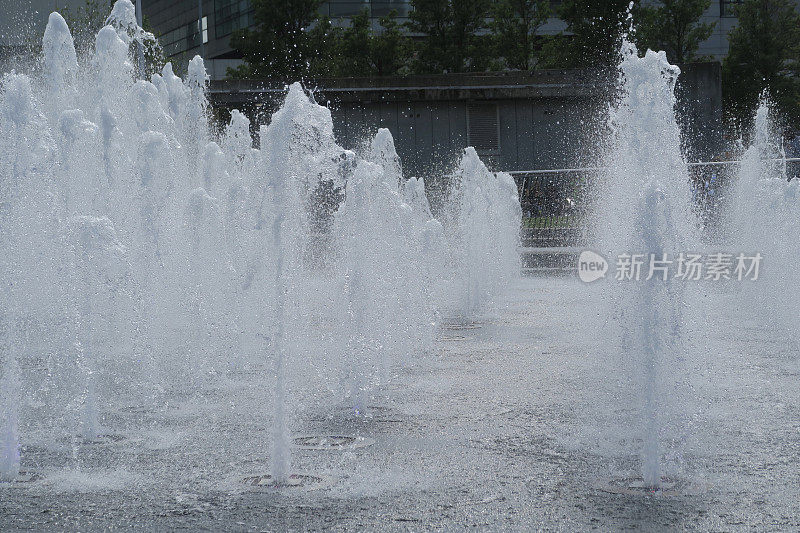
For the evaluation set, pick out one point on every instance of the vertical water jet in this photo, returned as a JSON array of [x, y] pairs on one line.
[[643, 209]]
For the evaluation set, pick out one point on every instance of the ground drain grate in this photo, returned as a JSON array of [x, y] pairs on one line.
[[100, 440], [109, 438], [332, 442], [296, 481], [452, 338], [636, 486], [24, 477], [455, 326]]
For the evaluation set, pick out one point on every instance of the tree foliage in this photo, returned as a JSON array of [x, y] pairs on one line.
[[323, 42], [390, 48], [447, 38], [673, 26], [592, 36], [292, 41], [514, 24], [279, 46], [364, 52], [763, 56], [85, 21]]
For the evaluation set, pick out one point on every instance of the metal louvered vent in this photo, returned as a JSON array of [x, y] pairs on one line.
[[483, 127]]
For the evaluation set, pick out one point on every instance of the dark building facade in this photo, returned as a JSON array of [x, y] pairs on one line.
[[190, 27], [184, 25], [546, 119]]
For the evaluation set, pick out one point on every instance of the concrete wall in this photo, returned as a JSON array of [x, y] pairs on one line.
[[430, 135], [545, 119]]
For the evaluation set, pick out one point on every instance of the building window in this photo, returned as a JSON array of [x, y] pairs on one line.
[[376, 8], [232, 15], [346, 9], [483, 127], [382, 8], [727, 8], [195, 32], [185, 37]]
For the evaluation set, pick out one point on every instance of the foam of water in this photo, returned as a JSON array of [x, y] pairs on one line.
[[148, 257], [9, 422], [763, 219], [644, 207]]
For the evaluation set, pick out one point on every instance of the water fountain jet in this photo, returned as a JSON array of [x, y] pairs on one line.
[[644, 207], [115, 162], [9, 421]]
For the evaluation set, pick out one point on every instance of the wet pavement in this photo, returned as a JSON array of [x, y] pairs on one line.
[[520, 421]]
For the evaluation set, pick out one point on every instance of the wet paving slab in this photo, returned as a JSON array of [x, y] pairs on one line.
[[518, 425]]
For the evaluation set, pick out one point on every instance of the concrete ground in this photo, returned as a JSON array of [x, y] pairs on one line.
[[520, 423]]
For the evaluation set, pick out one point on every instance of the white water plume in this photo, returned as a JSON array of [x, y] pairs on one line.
[[643, 207], [148, 257]]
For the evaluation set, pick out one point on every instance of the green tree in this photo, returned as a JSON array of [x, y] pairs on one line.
[[390, 48], [356, 44], [364, 52], [449, 35], [764, 53], [279, 46], [673, 27], [85, 21], [296, 43], [470, 51], [324, 43], [431, 19], [592, 37], [514, 24]]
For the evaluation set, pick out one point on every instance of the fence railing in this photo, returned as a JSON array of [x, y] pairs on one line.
[[554, 204]]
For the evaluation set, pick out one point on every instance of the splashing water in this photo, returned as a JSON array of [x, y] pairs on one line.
[[761, 195], [385, 274], [96, 254], [9, 422], [763, 219], [486, 207], [158, 257], [644, 207]]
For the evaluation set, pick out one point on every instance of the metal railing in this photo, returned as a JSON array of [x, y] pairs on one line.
[[553, 204], [552, 198]]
